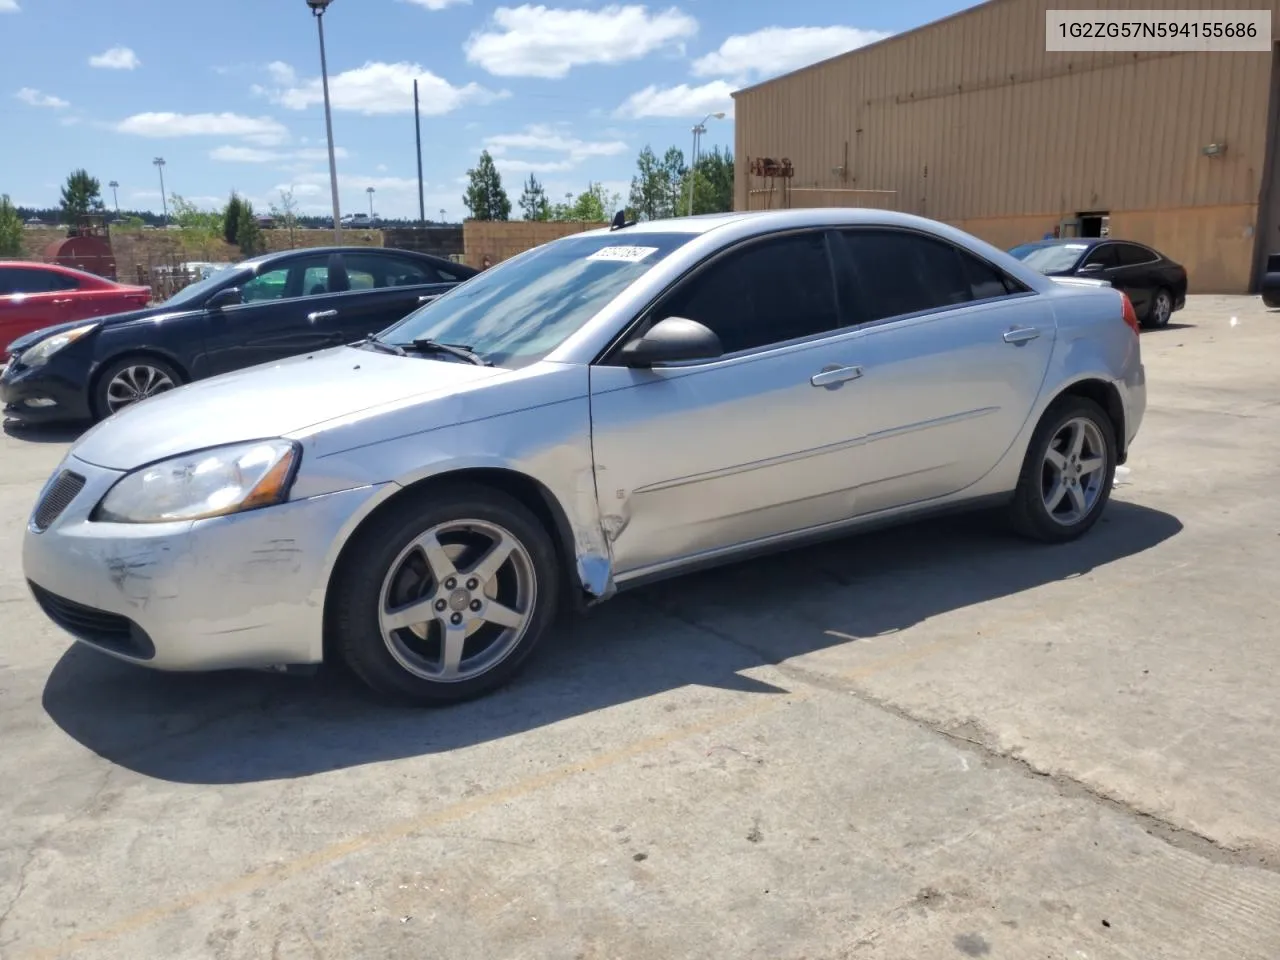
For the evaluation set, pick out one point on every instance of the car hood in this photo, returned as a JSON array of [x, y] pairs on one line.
[[269, 401], [111, 319]]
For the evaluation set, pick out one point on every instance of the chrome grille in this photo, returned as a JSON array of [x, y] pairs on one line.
[[59, 496]]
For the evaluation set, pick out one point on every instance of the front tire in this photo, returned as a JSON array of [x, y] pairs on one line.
[[129, 380], [442, 599], [1067, 475]]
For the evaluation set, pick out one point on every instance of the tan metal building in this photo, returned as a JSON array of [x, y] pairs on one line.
[[969, 120]]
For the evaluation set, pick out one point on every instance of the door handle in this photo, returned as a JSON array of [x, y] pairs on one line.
[[322, 315], [1020, 335], [834, 375], [67, 300], [428, 297]]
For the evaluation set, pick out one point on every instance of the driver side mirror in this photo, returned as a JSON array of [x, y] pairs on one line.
[[671, 340], [229, 297]]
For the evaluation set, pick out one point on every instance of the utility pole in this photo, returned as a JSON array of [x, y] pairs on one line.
[[417, 129], [369, 191], [115, 197], [318, 8], [164, 203]]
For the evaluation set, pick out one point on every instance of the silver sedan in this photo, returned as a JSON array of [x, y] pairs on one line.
[[616, 406]]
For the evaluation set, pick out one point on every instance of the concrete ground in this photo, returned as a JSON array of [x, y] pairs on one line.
[[930, 742]]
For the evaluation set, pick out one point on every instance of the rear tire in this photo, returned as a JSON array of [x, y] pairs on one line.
[[1066, 477], [442, 599], [1160, 310], [128, 380]]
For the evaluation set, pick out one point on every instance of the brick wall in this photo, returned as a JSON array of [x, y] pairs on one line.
[[443, 241], [502, 239]]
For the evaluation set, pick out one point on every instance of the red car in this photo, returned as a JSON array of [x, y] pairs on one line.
[[36, 295]]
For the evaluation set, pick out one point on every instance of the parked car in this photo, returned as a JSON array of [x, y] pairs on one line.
[[37, 295], [257, 311], [1270, 286], [600, 411], [1156, 285]]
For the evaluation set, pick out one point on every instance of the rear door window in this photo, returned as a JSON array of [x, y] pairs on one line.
[[1105, 255], [15, 280], [1131, 255]]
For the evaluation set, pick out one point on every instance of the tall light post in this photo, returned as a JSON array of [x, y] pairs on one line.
[[115, 197], [318, 8], [698, 131], [164, 202], [370, 191], [442, 214]]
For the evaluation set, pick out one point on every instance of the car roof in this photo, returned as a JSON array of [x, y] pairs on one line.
[[1065, 241], [388, 251]]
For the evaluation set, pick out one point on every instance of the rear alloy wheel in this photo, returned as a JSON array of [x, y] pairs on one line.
[[130, 380], [443, 601], [1067, 474], [1160, 311]]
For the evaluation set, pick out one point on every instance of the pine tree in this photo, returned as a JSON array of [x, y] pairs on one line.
[[485, 197], [10, 229], [533, 202], [82, 195], [248, 234], [231, 218]]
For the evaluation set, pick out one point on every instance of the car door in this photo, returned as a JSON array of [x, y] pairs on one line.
[[385, 287], [30, 298], [1137, 273], [699, 456], [289, 307], [953, 354]]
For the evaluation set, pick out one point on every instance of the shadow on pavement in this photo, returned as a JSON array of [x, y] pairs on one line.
[[34, 433], [238, 727]]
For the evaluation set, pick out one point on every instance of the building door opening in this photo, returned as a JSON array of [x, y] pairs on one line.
[[1096, 224], [1267, 234]]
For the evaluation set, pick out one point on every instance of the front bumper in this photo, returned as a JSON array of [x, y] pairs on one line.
[[43, 394], [245, 590]]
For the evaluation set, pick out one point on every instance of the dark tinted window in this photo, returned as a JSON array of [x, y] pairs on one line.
[[370, 270], [19, 280], [1104, 254], [765, 293], [1130, 254], [893, 272]]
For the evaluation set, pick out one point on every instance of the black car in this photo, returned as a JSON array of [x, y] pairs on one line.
[[1154, 284], [257, 311]]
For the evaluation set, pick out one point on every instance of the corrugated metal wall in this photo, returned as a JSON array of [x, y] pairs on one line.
[[970, 117]]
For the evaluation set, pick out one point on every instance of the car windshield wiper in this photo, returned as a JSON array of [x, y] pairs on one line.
[[462, 352], [381, 345]]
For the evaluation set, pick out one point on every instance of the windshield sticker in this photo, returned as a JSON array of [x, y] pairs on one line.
[[624, 254]]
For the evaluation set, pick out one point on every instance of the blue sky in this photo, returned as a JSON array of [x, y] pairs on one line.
[[570, 90]]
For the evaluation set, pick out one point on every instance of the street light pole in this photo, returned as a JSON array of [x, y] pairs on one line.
[[318, 8], [164, 203], [115, 197], [369, 191], [698, 131]]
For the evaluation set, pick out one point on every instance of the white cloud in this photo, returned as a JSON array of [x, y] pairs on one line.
[[679, 101], [37, 99], [375, 88], [230, 154], [263, 131], [514, 165], [543, 137], [117, 58], [776, 50], [435, 4], [537, 41], [9, 6]]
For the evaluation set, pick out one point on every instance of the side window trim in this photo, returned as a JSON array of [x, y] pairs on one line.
[[608, 356]]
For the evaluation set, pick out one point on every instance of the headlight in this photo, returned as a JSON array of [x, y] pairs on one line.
[[46, 348], [209, 483]]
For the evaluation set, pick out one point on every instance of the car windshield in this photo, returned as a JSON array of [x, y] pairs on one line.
[[1050, 257], [194, 293], [516, 313]]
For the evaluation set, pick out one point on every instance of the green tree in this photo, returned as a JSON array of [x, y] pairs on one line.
[[10, 229], [671, 179], [249, 236], [202, 225], [82, 195], [231, 218], [533, 201], [485, 198], [713, 182], [648, 195], [286, 214]]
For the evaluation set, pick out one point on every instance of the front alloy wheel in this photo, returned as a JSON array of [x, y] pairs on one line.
[[442, 597]]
